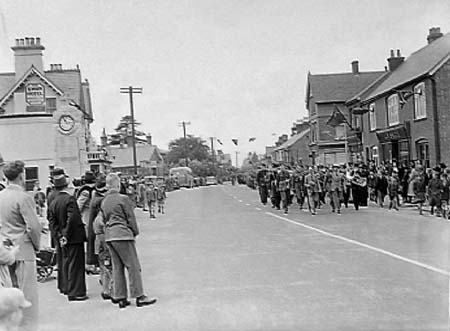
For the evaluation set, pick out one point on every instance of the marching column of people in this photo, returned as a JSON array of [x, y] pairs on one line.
[[361, 183]]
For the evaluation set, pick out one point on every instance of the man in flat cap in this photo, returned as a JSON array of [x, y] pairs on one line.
[[20, 226]]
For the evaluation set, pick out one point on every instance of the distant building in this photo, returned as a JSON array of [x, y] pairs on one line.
[[295, 149], [324, 93], [45, 115]]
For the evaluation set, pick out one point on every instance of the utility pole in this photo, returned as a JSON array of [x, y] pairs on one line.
[[237, 158], [130, 90], [212, 151], [183, 124]]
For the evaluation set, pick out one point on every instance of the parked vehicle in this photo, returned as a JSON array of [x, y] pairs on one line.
[[182, 177], [211, 180]]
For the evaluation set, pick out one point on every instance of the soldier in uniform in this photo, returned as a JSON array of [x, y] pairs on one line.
[[275, 197], [262, 181], [313, 188], [298, 184], [283, 181]]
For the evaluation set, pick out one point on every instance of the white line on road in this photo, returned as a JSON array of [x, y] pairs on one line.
[[247, 204], [379, 250], [240, 200], [257, 208]]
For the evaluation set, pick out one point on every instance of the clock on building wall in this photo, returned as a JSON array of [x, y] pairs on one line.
[[66, 123]]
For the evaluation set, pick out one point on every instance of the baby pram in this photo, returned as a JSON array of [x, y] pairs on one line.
[[45, 263]]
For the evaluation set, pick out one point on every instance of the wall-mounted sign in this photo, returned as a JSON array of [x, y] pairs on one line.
[[34, 94]]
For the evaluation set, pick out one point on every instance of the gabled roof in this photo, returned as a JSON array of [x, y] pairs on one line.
[[291, 141], [123, 157], [425, 61], [70, 81], [30, 72], [326, 88], [6, 81]]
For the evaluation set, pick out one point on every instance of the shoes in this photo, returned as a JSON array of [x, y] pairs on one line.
[[332, 210], [106, 296], [144, 300], [78, 298], [339, 212], [123, 303]]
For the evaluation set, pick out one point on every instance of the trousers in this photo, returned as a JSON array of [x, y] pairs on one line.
[[124, 255], [25, 273]]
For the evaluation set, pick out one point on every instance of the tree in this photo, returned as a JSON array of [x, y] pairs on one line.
[[124, 130], [194, 148]]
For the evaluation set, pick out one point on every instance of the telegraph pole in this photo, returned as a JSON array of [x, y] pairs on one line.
[[237, 158], [183, 124], [130, 90], [212, 151]]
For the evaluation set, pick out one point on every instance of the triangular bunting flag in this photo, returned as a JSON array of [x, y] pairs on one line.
[[251, 139], [235, 141]]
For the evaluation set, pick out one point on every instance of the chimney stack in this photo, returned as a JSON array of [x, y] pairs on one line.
[[149, 139], [355, 67], [434, 33], [395, 60], [27, 53]]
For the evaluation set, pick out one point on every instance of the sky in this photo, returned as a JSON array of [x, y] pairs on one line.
[[234, 69]]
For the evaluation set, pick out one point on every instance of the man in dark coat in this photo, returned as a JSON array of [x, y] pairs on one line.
[[262, 180], [69, 234]]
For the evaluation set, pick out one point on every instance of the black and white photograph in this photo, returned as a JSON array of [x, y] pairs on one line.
[[225, 165]]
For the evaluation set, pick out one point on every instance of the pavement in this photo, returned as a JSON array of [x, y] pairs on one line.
[[220, 260]]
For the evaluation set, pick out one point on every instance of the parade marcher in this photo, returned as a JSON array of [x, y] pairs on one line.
[[161, 196], [142, 189], [262, 183], [69, 233], [313, 188], [275, 197], [420, 189], [121, 230], [347, 187], [434, 191], [152, 197], [20, 226], [336, 188], [359, 185], [393, 190], [283, 179], [298, 184]]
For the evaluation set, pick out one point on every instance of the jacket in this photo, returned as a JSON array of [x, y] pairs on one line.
[[19, 221], [64, 218], [120, 221], [6, 258]]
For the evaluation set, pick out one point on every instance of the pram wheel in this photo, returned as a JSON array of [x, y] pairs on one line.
[[43, 273]]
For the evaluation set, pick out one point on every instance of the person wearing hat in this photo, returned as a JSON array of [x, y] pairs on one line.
[[69, 233], [262, 183], [20, 226], [335, 184], [298, 183], [393, 190], [434, 191], [12, 304], [161, 196]]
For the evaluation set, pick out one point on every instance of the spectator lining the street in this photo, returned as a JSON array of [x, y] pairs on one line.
[[20, 226]]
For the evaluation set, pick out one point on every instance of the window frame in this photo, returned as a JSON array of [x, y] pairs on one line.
[[52, 109], [372, 117], [393, 110], [420, 101]]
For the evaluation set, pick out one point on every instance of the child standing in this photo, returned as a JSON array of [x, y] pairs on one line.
[[151, 199], [161, 198]]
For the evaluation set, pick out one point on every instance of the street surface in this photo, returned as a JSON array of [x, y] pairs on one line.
[[219, 260]]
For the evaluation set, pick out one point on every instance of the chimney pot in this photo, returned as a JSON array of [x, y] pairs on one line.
[[38, 41], [17, 42], [22, 41], [32, 41], [392, 53], [434, 33], [398, 53], [355, 67]]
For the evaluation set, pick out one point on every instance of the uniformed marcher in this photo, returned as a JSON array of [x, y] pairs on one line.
[[283, 181], [263, 182]]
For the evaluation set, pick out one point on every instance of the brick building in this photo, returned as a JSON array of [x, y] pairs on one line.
[[324, 93], [406, 115]]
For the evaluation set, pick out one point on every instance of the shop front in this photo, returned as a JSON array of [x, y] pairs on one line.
[[395, 144]]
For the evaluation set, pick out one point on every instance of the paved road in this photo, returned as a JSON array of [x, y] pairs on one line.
[[219, 260]]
